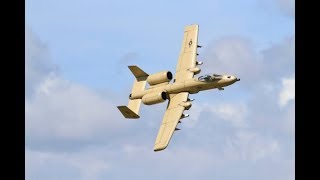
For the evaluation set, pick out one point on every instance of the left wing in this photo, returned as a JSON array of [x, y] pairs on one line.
[[187, 62], [170, 120]]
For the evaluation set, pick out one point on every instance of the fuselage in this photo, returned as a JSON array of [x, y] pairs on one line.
[[192, 86]]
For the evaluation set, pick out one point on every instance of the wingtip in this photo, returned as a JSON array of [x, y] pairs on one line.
[[191, 27], [159, 147]]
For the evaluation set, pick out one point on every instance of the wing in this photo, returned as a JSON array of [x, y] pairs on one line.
[[188, 54], [170, 120]]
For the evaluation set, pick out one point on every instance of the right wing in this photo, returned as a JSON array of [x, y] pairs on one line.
[[170, 120]]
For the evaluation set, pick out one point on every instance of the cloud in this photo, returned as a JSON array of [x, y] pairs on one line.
[[62, 109], [58, 109], [77, 165], [194, 115], [287, 92], [37, 60], [235, 113], [284, 7], [288, 7], [279, 59], [234, 55], [289, 119], [128, 57], [263, 74], [246, 145], [266, 79], [103, 162]]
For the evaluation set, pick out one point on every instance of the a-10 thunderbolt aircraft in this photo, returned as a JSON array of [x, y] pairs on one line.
[[177, 93]]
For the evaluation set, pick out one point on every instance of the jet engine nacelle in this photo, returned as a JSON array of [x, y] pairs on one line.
[[154, 98], [160, 77]]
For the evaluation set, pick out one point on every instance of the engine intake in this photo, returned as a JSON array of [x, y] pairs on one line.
[[154, 98], [160, 77]]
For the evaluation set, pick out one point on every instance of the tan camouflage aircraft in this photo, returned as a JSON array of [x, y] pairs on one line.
[[177, 93]]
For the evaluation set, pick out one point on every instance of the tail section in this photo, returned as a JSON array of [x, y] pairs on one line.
[[132, 110]]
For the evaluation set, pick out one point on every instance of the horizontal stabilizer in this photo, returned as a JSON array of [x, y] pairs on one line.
[[128, 113], [137, 72]]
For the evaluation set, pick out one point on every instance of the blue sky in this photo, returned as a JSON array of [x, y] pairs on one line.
[[76, 49]]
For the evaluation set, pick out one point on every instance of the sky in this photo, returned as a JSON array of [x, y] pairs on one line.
[[77, 53]]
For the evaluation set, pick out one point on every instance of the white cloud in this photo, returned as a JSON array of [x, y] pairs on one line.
[[234, 113], [86, 165], [287, 92], [176, 160], [62, 109], [136, 160], [57, 108], [246, 145]]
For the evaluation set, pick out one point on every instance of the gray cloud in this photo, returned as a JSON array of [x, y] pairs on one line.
[[279, 59], [246, 145], [284, 7], [128, 58], [37, 60], [262, 75], [288, 7], [232, 55], [238, 56], [265, 75]]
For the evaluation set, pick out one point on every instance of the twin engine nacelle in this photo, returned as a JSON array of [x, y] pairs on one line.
[[154, 98], [160, 77]]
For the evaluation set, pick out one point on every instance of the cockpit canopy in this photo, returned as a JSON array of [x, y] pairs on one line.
[[210, 77]]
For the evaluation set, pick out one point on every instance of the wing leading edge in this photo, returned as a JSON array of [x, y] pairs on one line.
[[170, 120]]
